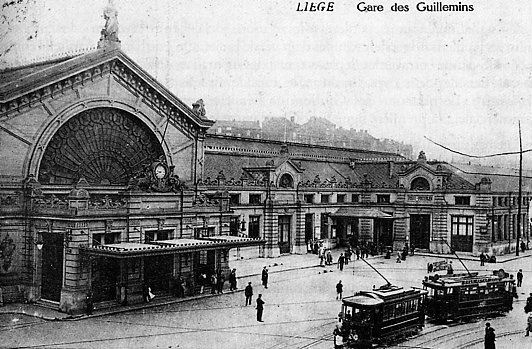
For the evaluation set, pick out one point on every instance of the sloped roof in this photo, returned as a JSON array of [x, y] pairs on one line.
[[25, 80], [502, 179]]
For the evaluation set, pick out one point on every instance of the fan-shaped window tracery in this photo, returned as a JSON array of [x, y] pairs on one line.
[[103, 145], [419, 183], [286, 181]]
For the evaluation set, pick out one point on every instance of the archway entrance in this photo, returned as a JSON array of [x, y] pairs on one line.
[[103, 145]]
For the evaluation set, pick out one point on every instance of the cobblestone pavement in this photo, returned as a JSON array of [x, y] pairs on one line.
[[300, 312]]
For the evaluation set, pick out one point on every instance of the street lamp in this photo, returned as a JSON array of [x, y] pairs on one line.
[[39, 243]]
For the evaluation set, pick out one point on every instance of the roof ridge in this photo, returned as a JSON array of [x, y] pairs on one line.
[[53, 58]]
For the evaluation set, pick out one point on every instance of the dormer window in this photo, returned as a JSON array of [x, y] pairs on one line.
[[286, 181], [420, 183]]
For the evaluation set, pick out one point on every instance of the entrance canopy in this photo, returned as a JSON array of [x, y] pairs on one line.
[[362, 212], [154, 248]]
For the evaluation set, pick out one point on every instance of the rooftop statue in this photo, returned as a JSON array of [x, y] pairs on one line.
[[109, 33]]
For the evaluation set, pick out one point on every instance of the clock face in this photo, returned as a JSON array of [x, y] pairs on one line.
[[160, 171]]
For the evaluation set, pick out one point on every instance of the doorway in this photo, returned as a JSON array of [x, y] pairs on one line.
[[284, 233], [420, 230], [52, 266]]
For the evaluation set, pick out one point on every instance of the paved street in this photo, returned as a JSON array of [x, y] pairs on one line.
[[300, 312]]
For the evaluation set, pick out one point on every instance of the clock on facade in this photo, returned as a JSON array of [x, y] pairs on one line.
[[160, 171]]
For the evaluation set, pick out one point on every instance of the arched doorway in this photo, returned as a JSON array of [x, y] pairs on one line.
[[103, 145]]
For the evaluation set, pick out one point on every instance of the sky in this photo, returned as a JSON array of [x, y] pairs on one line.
[[463, 79]]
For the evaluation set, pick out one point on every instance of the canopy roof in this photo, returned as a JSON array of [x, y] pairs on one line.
[[362, 212]]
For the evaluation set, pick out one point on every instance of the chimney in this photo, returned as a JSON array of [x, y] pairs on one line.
[[391, 169]]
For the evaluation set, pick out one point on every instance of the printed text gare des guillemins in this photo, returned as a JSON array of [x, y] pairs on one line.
[[362, 6]]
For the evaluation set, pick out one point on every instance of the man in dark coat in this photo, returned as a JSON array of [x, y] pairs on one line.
[[482, 259], [520, 278], [265, 277], [339, 289], [221, 281], [489, 337], [341, 262], [232, 280], [248, 291], [260, 308]]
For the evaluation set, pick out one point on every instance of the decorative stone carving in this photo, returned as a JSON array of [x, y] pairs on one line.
[[199, 108], [109, 34], [7, 252]]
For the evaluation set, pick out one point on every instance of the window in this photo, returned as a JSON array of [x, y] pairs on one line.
[[254, 227], [284, 228], [105, 239], [309, 198], [286, 181], [383, 198], [494, 201], [203, 232], [324, 226], [499, 199], [234, 225], [419, 183], [255, 199], [325, 198], [462, 200], [355, 198], [462, 225], [156, 235], [340, 198], [234, 199]]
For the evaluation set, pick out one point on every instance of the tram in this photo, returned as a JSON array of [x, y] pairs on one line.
[[380, 316], [462, 296]]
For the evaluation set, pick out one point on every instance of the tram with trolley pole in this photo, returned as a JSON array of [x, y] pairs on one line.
[[380, 316], [468, 295]]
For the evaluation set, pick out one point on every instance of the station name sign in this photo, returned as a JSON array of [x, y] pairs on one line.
[[419, 198]]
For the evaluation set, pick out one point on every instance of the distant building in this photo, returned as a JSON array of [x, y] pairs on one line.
[[316, 130]]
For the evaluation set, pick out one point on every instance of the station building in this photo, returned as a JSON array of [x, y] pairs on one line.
[[290, 194], [109, 185]]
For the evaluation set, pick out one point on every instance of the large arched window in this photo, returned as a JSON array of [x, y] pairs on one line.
[[102, 145], [286, 181], [419, 183]]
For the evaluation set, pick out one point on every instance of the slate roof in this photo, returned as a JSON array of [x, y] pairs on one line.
[[23, 80], [502, 179]]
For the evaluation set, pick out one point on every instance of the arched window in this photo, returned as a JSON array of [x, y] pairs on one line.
[[286, 181], [420, 183]]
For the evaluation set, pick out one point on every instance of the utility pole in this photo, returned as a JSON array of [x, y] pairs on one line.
[[520, 198]]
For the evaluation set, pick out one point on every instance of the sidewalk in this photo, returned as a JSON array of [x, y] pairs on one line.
[[246, 269]]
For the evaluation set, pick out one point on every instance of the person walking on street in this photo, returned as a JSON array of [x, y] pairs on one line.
[[214, 283], [232, 280], [357, 251], [489, 337], [329, 258], [265, 277], [520, 278], [528, 325], [221, 281], [260, 308], [203, 282], [482, 259], [339, 289], [248, 291], [528, 305], [450, 270], [341, 262]]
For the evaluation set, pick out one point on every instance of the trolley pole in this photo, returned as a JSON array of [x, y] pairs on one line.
[[520, 198]]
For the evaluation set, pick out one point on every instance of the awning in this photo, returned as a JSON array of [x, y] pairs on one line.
[[361, 212], [162, 247]]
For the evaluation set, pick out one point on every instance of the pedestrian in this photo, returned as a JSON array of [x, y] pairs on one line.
[[214, 283], [203, 282], [430, 267], [489, 337], [513, 287], [221, 281], [329, 259], [248, 292], [528, 325], [89, 303], [519, 277], [523, 246], [528, 305], [232, 280], [322, 258], [357, 251], [450, 270], [265, 277], [482, 259], [347, 255], [398, 260], [260, 308], [412, 249], [341, 260], [339, 289]]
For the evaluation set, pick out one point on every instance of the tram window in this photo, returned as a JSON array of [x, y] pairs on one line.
[[388, 312], [399, 309]]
